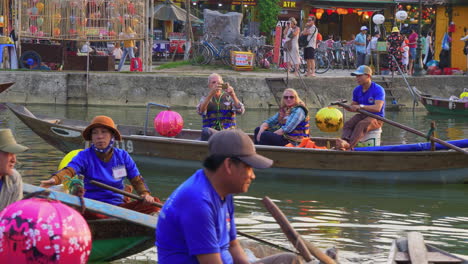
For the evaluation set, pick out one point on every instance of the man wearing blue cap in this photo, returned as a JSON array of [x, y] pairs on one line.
[[360, 46], [367, 96]]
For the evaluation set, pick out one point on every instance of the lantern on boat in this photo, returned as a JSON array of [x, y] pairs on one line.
[[70, 155], [168, 123], [38, 230], [329, 119]]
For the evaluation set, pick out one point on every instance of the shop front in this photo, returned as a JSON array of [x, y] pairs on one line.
[[343, 19]]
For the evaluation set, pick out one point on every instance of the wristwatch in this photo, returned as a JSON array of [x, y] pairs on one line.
[[361, 106]]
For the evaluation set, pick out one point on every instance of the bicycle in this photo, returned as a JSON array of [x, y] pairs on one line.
[[322, 62], [204, 51]]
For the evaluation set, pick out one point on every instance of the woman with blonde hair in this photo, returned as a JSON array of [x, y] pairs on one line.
[[289, 125], [291, 45]]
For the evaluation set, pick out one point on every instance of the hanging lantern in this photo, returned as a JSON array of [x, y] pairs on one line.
[[56, 31], [329, 11], [329, 119], [168, 123], [131, 8], [318, 15], [401, 15], [40, 21], [134, 22], [43, 231], [40, 7], [350, 10], [359, 13], [378, 19], [408, 7], [33, 29]]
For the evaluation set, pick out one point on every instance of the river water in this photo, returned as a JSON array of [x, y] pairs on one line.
[[360, 220]]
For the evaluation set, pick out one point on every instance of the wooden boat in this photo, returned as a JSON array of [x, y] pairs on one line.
[[440, 105], [186, 152], [414, 250], [124, 235]]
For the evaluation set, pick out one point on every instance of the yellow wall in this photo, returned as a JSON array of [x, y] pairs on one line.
[[441, 28], [460, 17]]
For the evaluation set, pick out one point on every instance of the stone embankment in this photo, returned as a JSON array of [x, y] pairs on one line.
[[183, 88]]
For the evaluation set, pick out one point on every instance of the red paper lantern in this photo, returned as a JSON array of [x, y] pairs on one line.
[[329, 11], [43, 231], [350, 10], [168, 123]]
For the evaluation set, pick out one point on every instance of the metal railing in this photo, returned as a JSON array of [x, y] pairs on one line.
[[147, 113]]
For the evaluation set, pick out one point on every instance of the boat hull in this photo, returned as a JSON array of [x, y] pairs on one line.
[[445, 106], [291, 163]]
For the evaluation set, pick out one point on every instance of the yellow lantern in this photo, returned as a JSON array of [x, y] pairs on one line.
[[408, 7], [134, 22], [318, 15], [40, 6], [329, 119], [359, 13]]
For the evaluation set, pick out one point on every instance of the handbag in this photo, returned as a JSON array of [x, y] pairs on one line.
[[303, 41]]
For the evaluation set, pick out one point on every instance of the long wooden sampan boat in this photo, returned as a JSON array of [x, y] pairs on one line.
[[125, 234], [186, 152], [413, 250]]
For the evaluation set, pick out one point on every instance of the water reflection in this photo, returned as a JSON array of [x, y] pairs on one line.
[[359, 219]]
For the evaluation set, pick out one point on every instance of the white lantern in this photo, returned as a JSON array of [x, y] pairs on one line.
[[378, 19], [401, 15]]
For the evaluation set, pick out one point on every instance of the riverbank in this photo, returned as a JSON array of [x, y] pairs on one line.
[[183, 87]]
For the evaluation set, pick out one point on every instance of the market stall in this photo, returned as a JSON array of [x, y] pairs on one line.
[[81, 21]]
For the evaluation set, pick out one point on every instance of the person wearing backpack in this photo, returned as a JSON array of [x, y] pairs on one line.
[[309, 48]]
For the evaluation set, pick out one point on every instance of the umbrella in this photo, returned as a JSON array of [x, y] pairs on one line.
[[169, 11]]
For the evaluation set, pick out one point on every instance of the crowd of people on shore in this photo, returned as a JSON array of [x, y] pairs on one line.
[[401, 47]]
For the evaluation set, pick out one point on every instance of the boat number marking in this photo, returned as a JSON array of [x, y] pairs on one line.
[[128, 145], [452, 105], [63, 132], [429, 102]]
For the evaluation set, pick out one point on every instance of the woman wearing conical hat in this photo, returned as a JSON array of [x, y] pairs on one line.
[[107, 164]]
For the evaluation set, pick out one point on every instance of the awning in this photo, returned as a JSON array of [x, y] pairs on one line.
[[169, 11], [357, 1]]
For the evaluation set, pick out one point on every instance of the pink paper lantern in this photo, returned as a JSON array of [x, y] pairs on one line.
[[33, 29], [168, 123], [43, 231]]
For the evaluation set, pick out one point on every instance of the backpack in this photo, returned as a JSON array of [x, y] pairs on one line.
[[303, 42]]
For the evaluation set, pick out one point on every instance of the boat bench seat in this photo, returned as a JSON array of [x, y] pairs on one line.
[[432, 257]]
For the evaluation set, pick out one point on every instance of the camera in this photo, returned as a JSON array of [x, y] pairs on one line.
[[224, 86]]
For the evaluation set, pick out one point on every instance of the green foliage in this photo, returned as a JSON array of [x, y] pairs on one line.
[[268, 14]]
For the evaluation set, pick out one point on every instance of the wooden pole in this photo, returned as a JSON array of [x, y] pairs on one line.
[[433, 126], [293, 236], [409, 129]]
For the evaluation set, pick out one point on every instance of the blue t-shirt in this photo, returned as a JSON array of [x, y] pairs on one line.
[[193, 221], [1, 183], [360, 38], [374, 93], [112, 173]]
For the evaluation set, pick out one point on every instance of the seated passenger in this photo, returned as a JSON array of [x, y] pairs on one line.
[[289, 125], [104, 163]]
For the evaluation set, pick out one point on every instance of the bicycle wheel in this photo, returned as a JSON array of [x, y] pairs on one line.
[[303, 66], [226, 53], [322, 64], [200, 55]]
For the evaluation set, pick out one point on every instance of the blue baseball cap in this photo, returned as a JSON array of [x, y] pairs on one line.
[[363, 69]]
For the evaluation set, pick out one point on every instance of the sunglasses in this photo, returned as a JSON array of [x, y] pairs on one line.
[[288, 97]]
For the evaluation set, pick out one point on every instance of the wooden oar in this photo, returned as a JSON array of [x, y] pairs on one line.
[[304, 247], [131, 195], [139, 198], [409, 129]]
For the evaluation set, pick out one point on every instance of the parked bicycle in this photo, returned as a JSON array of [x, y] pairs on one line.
[[322, 62], [205, 51]]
